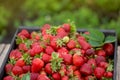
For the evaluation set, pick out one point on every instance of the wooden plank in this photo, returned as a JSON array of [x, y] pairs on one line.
[[4, 53], [118, 64], [2, 46]]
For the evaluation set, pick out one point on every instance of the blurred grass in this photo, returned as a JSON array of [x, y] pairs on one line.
[[101, 14]]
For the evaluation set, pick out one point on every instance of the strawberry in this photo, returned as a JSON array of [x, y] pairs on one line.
[[34, 76], [42, 77], [71, 44], [8, 78], [90, 78], [24, 33], [92, 62], [17, 70], [48, 68], [23, 47], [46, 58], [37, 65], [84, 45], [77, 73], [66, 27], [63, 50], [101, 53], [53, 43], [35, 36], [20, 63], [86, 69], [108, 49], [63, 70], [78, 60], [47, 37], [108, 74], [99, 72], [61, 32], [103, 65], [65, 78], [56, 76], [100, 59], [90, 52], [26, 68], [67, 58], [45, 27], [49, 50], [37, 49], [8, 68], [15, 54]]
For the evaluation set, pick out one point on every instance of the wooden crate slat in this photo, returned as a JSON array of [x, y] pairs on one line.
[[4, 53], [2, 46]]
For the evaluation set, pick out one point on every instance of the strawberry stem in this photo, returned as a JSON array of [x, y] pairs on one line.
[[56, 62]]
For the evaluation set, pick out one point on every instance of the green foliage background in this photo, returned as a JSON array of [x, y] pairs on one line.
[[100, 14]]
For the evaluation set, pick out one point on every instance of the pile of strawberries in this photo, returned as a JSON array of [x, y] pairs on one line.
[[58, 53]]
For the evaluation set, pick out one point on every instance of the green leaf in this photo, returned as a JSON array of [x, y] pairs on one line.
[[110, 39], [26, 77], [95, 43], [96, 35]]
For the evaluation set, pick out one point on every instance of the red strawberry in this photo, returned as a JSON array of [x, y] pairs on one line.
[[24, 33], [56, 76], [23, 47], [78, 60], [37, 65], [84, 45], [90, 52], [48, 68], [34, 76], [86, 69], [45, 27], [53, 43], [101, 53], [49, 50], [66, 27], [71, 44], [26, 68], [15, 54], [47, 37], [63, 70], [20, 63], [92, 62], [42, 77], [103, 65], [67, 58], [89, 78], [87, 33], [61, 32], [99, 72], [77, 74], [35, 36], [8, 68], [17, 70], [65, 78], [100, 59], [46, 58], [108, 74], [81, 37], [63, 50], [8, 78], [37, 49], [109, 49]]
